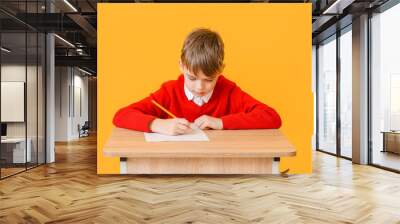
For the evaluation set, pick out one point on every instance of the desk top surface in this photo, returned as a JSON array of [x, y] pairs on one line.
[[13, 140], [223, 143], [391, 132]]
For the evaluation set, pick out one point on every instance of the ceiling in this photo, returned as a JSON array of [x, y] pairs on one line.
[[76, 24]]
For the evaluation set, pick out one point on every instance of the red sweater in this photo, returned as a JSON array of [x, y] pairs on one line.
[[237, 109]]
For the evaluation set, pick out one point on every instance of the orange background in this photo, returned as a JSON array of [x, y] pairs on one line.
[[267, 51]]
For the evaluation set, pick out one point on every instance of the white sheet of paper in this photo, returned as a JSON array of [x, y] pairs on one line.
[[195, 136]]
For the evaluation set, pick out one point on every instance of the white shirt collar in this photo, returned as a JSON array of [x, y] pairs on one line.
[[199, 100]]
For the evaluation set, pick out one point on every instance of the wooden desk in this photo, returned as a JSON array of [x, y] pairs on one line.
[[16, 153], [227, 152]]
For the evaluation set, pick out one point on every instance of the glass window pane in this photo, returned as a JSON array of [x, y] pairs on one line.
[[386, 88], [22, 87], [346, 94], [14, 153], [327, 96]]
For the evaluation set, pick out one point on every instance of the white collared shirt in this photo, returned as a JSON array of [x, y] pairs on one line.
[[198, 100]]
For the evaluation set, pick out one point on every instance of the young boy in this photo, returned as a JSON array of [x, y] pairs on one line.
[[201, 94]]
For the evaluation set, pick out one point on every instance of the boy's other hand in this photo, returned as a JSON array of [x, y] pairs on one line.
[[175, 126], [207, 122]]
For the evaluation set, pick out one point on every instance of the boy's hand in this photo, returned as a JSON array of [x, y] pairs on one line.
[[175, 126], [206, 122]]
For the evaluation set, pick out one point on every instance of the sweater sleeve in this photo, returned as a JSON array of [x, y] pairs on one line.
[[249, 113], [139, 115]]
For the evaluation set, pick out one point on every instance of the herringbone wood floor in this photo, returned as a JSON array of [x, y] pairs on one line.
[[70, 191]]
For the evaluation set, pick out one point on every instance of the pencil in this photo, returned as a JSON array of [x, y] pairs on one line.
[[163, 109]]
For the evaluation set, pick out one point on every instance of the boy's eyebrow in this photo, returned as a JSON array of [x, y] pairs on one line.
[[208, 77], [211, 77], [188, 74]]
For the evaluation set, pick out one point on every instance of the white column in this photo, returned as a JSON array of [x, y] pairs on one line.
[[360, 90], [50, 100]]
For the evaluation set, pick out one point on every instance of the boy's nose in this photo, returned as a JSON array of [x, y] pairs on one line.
[[199, 86]]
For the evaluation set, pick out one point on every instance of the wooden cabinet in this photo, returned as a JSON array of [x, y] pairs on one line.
[[391, 141]]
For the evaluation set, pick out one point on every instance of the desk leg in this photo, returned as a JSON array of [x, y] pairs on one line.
[[199, 166], [123, 166]]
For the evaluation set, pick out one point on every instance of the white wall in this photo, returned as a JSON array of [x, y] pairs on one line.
[[62, 80], [71, 87]]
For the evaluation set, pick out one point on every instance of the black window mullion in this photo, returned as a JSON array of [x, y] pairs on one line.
[[26, 86], [369, 89], [316, 97], [37, 90], [338, 80], [1, 164]]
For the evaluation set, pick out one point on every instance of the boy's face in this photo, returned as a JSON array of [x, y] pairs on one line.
[[199, 84]]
